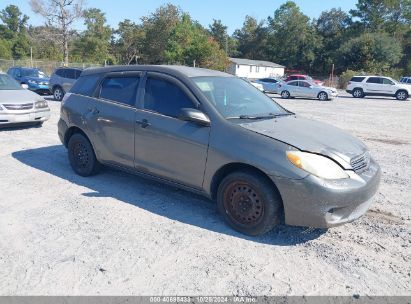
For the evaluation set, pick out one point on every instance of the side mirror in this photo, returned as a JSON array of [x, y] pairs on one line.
[[194, 115], [24, 86]]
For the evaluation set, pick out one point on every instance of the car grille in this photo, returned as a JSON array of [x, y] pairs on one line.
[[360, 163], [25, 106]]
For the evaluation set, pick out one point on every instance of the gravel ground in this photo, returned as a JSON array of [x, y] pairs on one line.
[[117, 234]]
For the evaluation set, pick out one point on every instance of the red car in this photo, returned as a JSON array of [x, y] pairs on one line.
[[303, 77]]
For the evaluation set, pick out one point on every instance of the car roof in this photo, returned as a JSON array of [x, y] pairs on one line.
[[73, 68], [177, 70]]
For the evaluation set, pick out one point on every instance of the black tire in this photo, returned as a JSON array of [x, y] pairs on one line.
[[58, 93], [323, 96], [358, 93], [285, 94], [249, 203], [401, 95], [81, 156]]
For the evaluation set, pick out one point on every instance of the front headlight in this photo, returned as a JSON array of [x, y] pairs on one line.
[[1, 108], [32, 81], [317, 165], [41, 104]]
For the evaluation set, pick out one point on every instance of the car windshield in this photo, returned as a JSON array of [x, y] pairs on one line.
[[234, 98], [8, 83], [33, 73]]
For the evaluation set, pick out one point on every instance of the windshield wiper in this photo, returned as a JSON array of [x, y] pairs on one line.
[[250, 117]]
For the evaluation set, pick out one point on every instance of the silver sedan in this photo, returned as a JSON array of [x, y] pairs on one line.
[[18, 105], [306, 89]]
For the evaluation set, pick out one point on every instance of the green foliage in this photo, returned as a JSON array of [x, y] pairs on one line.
[[189, 43], [93, 45], [346, 76], [372, 52], [251, 39], [5, 49], [130, 43]]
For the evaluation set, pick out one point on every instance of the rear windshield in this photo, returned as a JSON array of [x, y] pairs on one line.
[[85, 85], [357, 79]]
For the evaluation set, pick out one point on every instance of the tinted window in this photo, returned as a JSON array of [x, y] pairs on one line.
[[85, 85], [293, 77], [293, 83], [357, 79], [60, 72], [387, 81], [409, 80], [271, 80], [165, 97], [120, 89], [304, 84], [70, 73], [374, 80], [77, 74]]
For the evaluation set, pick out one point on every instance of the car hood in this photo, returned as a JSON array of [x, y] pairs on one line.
[[311, 136], [18, 96]]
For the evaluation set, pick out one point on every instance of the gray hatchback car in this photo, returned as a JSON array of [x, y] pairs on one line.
[[62, 80], [214, 134]]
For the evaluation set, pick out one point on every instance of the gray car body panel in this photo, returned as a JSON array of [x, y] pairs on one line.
[[191, 155]]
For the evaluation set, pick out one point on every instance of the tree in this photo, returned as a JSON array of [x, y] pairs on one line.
[[42, 42], [158, 28], [130, 42], [333, 27], [190, 43], [218, 31], [370, 52], [60, 14], [384, 15], [293, 41], [94, 43], [5, 49], [251, 39]]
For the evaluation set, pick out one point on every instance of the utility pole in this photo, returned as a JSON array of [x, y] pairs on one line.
[[194, 63], [31, 56], [226, 43]]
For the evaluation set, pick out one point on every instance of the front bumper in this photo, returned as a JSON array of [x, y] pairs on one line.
[[319, 203], [24, 116], [40, 89]]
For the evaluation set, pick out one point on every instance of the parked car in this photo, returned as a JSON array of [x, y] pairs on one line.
[[62, 80], [303, 77], [405, 80], [270, 85], [212, 133], [253, 83], [361, 86], [302, 88], [34, 79], [18, 105]]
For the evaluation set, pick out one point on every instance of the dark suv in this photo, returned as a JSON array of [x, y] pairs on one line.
[[214, 134], [62, 80]]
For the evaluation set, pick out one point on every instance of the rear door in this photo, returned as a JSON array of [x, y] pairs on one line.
[[111, 118], [166, 146], [373, 85], [69, 79]]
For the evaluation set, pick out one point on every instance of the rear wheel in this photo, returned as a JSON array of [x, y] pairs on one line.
[[81, 156], [285, 94], [401, 95], [358, 93], [249, 203], [323, 96], [58, 93]]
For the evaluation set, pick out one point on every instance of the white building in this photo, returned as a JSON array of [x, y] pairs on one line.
[[254, 69]]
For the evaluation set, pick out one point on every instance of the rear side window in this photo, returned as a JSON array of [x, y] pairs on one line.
[[85, 85], [293, 83], [71, 74], [77, 74], [165, 97], [409, 80], [294, 77], [60, 72], [374, 80], [120, 89], [357, 79]]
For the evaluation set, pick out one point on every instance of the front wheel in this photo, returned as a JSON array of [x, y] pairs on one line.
[[401, 95], [249, 203], [81, 156], [58, 93], [323, 96], [285, 94]]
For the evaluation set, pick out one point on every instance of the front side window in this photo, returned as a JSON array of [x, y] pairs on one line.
[[233, 97], [387, 81], [167, 98], [120, 89]]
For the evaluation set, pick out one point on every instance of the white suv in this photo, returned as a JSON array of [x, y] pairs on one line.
[[361, 86]]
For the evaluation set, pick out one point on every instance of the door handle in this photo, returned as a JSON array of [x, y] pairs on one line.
[[93, 111], [143, 123]]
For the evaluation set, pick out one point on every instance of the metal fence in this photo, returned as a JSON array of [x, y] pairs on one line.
[[46, 66]]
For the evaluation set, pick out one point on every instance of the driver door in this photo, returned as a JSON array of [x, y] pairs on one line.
[[166, 146]]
